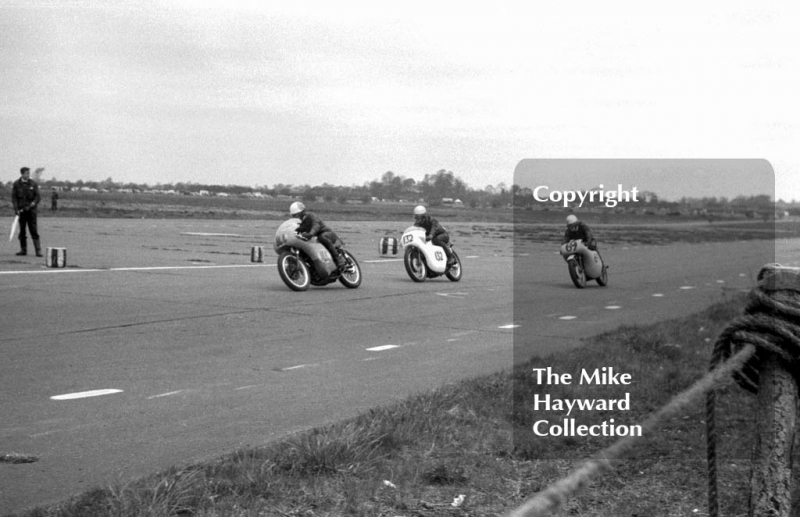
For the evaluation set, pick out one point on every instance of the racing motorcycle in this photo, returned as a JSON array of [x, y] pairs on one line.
[[584, 264], [423, 259], [302, 263]]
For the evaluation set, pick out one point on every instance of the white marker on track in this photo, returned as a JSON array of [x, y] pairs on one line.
[[382, 348], [85, 394]]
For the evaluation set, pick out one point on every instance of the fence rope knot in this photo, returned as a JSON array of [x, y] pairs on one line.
[[768, 329]]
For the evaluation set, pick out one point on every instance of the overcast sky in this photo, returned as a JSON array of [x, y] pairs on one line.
[[260, 93]]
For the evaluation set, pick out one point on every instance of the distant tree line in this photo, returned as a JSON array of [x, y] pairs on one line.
[[440, 188]]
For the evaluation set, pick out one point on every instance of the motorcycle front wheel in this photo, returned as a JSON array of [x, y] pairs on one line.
[[415, 265], [351, 278], [293, 271], [455, 271], [602, 281], [576, 273]]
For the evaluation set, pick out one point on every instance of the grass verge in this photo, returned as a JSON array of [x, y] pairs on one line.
[[467, 448]]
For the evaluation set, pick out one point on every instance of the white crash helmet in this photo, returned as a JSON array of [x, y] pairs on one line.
[[571, 219], [419, 210], [296, 208]]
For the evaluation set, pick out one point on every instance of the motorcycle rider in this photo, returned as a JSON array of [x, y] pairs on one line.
[[311, 225], [579, 230], [434, 232]]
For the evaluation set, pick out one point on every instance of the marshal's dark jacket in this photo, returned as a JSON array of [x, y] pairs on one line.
[[24, 195]]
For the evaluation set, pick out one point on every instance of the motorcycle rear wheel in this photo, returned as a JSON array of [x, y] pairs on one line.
[[455, 271], [351, 278], [415, 265], [293, 271], [577, 274]]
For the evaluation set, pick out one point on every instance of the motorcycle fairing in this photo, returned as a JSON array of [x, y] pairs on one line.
[[435, 257], [286, 237], [592, 264]]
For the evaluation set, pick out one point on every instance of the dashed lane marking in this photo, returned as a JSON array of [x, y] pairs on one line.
[[613, 307], [382, 348], [567, 317], [658, 295], [509, 326], [85, 394], [167, 394], [293, 367]]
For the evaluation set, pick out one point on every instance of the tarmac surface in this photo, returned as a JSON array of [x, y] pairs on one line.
[[161, 344]]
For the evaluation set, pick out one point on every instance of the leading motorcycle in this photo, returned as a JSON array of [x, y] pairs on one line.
[[302, 263], [423, 259], [584, 264]]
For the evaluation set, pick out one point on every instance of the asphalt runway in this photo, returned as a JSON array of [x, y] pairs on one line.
[[203, 352]]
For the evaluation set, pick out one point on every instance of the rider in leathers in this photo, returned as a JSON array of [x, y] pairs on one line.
[[311, 225], [434, 232], [579, 230]]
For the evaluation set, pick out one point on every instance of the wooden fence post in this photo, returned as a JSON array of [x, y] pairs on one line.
[[771, 474]]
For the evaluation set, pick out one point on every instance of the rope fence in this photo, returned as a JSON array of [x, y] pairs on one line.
[[762, 344]]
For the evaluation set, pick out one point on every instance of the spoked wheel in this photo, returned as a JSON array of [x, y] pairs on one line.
[[576, 273], [351, 278], [415, 265], [293, 271], [454, 273]]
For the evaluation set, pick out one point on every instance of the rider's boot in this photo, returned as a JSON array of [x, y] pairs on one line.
[[341, 264], [450, 261]]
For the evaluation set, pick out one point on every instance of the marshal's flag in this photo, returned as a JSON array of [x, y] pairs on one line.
[[14, 228]]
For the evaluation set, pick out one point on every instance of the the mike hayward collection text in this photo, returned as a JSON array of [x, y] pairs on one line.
[[605, 376]]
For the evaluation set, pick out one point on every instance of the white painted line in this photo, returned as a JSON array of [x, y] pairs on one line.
[[509, 326], [158, 268], [204, 234], [85, 394], [153, 268], [381, 260], [167, 394], [687, 287], [613, 307], [457, 295], [293, 367], [658, 295], [567, 317], [474, 256], [248, 387], [382, 348]]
